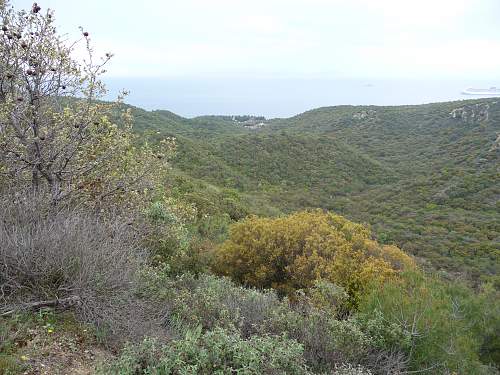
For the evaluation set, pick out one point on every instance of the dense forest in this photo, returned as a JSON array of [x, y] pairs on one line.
[[342, 241]]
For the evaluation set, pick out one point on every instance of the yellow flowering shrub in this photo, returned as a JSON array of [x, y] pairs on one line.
[[293, 252]]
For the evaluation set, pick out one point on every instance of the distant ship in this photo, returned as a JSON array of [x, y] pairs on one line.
[[492, 91]]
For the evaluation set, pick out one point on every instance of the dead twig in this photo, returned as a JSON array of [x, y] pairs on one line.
[[63, 303]]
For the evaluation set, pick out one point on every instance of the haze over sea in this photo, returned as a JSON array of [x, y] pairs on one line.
[[283, 97]]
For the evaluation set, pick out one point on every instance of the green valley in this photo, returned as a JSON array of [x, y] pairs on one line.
[[424, 177]]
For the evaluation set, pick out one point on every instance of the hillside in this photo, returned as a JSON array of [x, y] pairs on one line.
[[349, 240], [425, 177]]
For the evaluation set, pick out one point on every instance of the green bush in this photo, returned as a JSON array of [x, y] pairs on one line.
[[384, 334], [168, 234], [211, 302], [214, 227], [214, 352], [445, 327]]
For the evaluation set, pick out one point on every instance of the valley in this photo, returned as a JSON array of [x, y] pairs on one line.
[[425, 177]]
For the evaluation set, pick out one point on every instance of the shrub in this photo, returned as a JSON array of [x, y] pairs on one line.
[[168, 231], [447, 325], [167, 235], [214, 352], [211, 302], [291, 253], [214, 227], [52, 253], [384, 334], [327, 296]]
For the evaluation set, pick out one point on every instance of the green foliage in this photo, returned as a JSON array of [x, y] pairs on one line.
[[424, 180], [413, 323], [170, 237], [210, 302], [327, 296], [214, 228], [384, 334], [263, 162], [208, 199], [293, 252], [448, 326], [213, 352], [57, 137]]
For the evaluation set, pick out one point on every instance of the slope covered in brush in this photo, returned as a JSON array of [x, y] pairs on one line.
[[425, 177]]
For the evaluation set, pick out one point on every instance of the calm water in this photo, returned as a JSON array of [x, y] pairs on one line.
[[281, 97]]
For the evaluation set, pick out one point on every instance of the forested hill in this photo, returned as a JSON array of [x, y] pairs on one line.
[[425, 177]]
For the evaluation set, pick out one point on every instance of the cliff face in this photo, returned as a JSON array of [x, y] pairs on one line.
[[478, 112], [364, 114]]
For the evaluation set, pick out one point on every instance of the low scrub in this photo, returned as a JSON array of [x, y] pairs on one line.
[[213, 352], [450, 328], [212, 302], [51, 256]]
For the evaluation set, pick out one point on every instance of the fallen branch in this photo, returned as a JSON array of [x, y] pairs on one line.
[[60, 303]]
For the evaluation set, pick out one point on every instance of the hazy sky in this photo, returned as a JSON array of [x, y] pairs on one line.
[[424, 39]]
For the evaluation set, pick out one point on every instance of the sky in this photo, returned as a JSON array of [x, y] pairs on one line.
[[418, 39], [281, 57]]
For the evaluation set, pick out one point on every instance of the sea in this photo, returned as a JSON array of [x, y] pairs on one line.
[[281, 97]]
